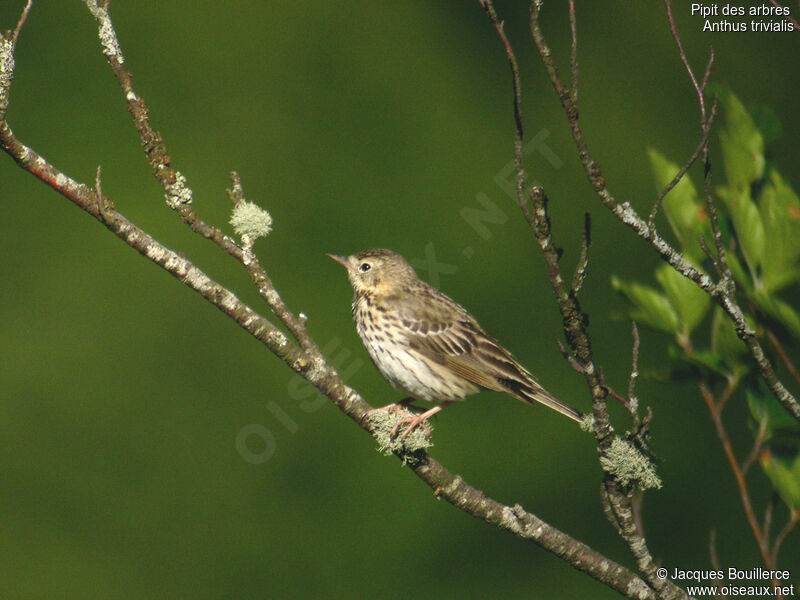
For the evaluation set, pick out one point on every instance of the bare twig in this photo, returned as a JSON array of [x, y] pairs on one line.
[[488, 7], [625, 213], [651, 220], [178, 194], [754, 451], [583, 257], [307, 361], [784, 357], [618, 502], [767, 522], [571, 359], [619, 507], [787, 17], [698, 87], [712, 552], [794, 517], [633, 401], [573, 51], [715, 410], [21, 21]]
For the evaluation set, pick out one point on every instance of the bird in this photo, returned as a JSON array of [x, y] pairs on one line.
[[428, 346]]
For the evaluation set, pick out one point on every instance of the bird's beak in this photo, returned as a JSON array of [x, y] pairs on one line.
[[342, 260]]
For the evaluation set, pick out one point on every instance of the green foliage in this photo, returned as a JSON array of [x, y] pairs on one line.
[[689, 301], [725, 344], [650, 306], [764, 238], [741, 141], [759, 217], [780, 451], [780, 213], [677, 308], [684, 212], [747, 224]]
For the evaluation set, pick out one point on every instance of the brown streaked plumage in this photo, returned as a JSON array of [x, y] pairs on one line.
[[425, 344]]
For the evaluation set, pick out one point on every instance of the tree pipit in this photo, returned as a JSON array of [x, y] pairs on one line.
[[425, 344]]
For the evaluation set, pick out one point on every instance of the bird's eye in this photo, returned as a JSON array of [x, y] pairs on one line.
[[365, 267]]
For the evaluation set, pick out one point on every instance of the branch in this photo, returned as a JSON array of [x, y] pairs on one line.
[[784, 357], [625, 213], [616, 499], [715, 409], [787, 17], [178, 194], [305, 358]]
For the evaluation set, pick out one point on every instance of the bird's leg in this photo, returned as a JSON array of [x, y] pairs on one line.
[[404, 404], [417, 421]]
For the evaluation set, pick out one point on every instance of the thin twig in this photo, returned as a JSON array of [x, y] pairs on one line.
[[712, 552], [23, 17], [754, 451], [741, 483], [726, 277], [583, 258], [573, 51], [710, 255], [488, 7], [794, 517], [633, 401], [574, 322], [784, 357], [698, 88], [651, 221], [311, 365], [178, 194], [626, 214], [787, 16], [767, 522], [570, 359]]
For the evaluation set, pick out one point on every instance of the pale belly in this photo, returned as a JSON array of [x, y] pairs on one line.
[[414, 374]]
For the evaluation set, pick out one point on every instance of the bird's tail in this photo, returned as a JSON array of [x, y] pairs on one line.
[[532, 392]]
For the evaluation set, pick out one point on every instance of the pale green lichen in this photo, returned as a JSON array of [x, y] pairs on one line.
[[587, 422], [249, 219], [629, 465], [382, 423], [178, 192]]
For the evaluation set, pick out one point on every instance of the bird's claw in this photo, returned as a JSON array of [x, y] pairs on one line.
[[413, 423]]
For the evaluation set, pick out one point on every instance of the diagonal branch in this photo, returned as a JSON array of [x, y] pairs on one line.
[[625, 213], [305, 359], [617, 500]]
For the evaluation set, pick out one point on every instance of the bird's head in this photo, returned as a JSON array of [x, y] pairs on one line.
[[376, 270]]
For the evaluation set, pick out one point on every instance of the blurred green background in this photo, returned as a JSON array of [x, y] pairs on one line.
[[355, 124]]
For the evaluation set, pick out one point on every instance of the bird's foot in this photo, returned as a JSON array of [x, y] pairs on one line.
[[413, 422], [417, 421], [400, 405]]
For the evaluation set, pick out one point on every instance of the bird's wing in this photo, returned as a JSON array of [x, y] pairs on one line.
[[450, 336]]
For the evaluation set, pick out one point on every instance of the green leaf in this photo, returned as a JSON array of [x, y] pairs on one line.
[[778, 310], [767, 121], [768, 412], [741, 276], [742, 144], [780, 460], [780, 215], [685, 215], [689, 301], [650, 307], [747, 225], [704, 359]]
